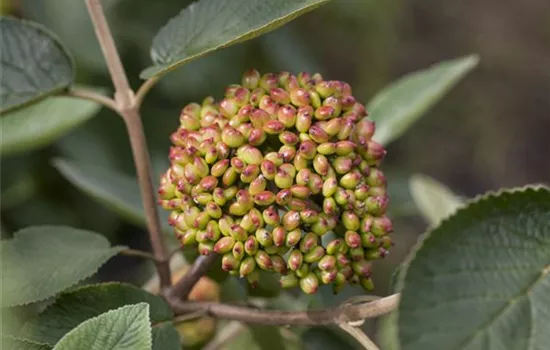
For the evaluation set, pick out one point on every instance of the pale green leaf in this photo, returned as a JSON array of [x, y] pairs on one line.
[[434, 200], [117, 191], [34, 63], [403, 102], [208, 25], [126, 328], [76, 306], [13, 343], [481, 280], [39, 125], [41, 261]]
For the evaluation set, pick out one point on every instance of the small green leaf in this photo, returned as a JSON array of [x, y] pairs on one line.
[[41, 124], [401, 103], [12, 343], [126, 328], [482, 278], [166, 337], [118, 192], [434, 200], [76, 306], [41, 261], [34, 63], [208, 25]]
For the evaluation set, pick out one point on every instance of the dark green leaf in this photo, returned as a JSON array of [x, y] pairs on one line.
[[34, 63], [267, 337], [41, 261], [208, 25], [166, 337], [40, 124], [74, 307], [434, 200], [118, 192], [401, 103], [481, 280], [11, 343], [126, 328]]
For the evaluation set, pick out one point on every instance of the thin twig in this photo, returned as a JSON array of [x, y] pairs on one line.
[[143, 90], [182, 288], [93, 96], [143, 168], [124, 97], [137, 253], [360, 336], [344, 313]]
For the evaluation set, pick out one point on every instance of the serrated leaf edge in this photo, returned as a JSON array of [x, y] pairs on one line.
[[43, 30], [159, 70]]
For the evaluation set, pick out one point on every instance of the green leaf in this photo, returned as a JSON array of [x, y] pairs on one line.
[[434, 200], [41, 261], [126, 328], [400, 104], [118, 192], [166, 337], [12, 343], [482, 278], [76, 306], [34, 63], [208, 25], [41, 124]]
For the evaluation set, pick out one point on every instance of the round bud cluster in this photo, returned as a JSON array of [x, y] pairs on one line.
[[262, 176]]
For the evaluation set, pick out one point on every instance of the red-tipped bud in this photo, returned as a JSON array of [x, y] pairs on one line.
[[224, 245], [293, 237], [353, 239], [274, 127], [363, 268], [251, 79], [289, 281], [309, 283], [263, 260]]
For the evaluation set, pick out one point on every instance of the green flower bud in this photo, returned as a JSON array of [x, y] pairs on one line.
[[303, 270], [344, 148], [268, 81], [279, 95], [300, 97], [350, 221], [287, 115], [318, 135], [309, 241], [225, 224], [315, 99], [303, 176], [264, 198], [325, 88], [238, 250], [224, 245], [353, 239], [315, 254], [295, 260], [253, 278], [283, 197], [264, 237], [291, 220], [368, 240], [250, 172], [228, 107], [374, 254], [309, 216], [309, 283], [347, 271], [278, 264], [247, 266], [381, 226], [304, 118], [258, 118], [325, 113], [268, 169], [229, 177], [327, 277], [232, 137], [334, 246], [251, 246], [330, 207], [263, 260], [271, 216], [361, 192], [188, 238], [326, 148], [297, 204], [192, 109], [287, 152], [283, 179], [339, 283], [293, 237], [342, 165], [367, 284], [202, 198], [327, 263], [205, 248], [329, 186], [257, 137], [362, 268], [274, 127], [238, 233], [376, 205], [321, 164], [213, 230], [356, 254], [251, 79], [386, 242], [320, 227], [289, 281], [258, 185]]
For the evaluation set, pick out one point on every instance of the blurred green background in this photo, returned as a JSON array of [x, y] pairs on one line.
[[491, 131]]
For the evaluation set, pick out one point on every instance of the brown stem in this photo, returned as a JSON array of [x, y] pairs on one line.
[[182, 288], [126, 107], [344, 313], [93, 96], [143, 168], [137, 254]]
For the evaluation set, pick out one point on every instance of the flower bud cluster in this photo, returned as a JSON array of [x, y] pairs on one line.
[[262, 175]]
